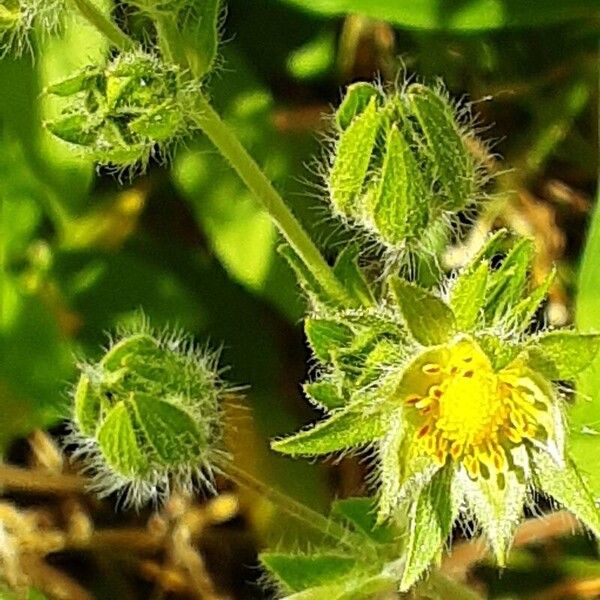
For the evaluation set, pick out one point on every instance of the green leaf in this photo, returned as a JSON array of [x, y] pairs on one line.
[[477, 15], [356, 99], [352, 158], [497, 503], [87, 407], [129, 349], [566, 485], [562, 354], [446, 148], [399, 206], [170, 431], [119, 445], [200, 34], [326, 336], [346, 428], [75, 129], [325, 394], [84, 79], [362, 513], [427, 317], [349, 273], [430, 522], [298, 572], [522, 314], [467, 297]]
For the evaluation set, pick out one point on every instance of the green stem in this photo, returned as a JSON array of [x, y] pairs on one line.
[[104, 25], [299, 511], [231, 148]]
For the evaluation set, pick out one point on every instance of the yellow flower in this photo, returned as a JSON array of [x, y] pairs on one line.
[[465, 412]]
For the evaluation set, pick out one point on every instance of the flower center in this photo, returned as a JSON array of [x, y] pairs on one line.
[[472, 415]]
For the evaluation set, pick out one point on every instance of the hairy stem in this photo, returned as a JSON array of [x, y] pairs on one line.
[[230, 147], [296, 509], [104, 25]]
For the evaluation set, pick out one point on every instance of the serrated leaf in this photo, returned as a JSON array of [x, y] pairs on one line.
[[468, 296], [169, 430], [346, 269], [497, 503], [428, 318], [356, 99], [346, 428], [353, 155], [362, 514], [508, 285], [325, 393], [430, 522], [566, 485], [562, 354], [298, 572], [399, 208], [326, 336], [445, 145], [119, 445]]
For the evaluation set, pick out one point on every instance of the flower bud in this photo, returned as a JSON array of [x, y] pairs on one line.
[[122, 113], [401, 164], [146, 417]]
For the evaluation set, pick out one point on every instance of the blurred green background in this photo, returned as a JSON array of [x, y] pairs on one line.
[[81, 250]]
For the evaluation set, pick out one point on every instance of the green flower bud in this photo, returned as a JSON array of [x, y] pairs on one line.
[[146, 417], [122, 114], [401, 168]]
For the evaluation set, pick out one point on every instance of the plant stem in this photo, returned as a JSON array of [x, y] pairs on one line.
[[104, 25], [296, 509], [230, 147]]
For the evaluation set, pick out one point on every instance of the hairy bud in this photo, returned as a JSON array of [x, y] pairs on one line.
[[146, 417], [121, 114], [401, 165]]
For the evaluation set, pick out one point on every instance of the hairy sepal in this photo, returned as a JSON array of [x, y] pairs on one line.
[[467, 297]]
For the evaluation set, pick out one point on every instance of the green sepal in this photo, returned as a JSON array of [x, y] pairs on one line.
[[353, 155], [129, 349], [508, 284], [399, 208], [87, 406], [402, 474], [119, 443], [85, 79], [496, 243], [168, 429], [362, 514], [160, 123], [355, 587], [325, 394], [445, 145], [345, 428], [326, 336], [346, 269], [562, 354], [74, 128], [497, 503], [467, 297], [297, 572], [565, 484], [430, 519], [500, 352], [428, 318], [356, 100]]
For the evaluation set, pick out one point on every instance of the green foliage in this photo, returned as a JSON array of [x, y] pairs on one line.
[[475, 15]]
